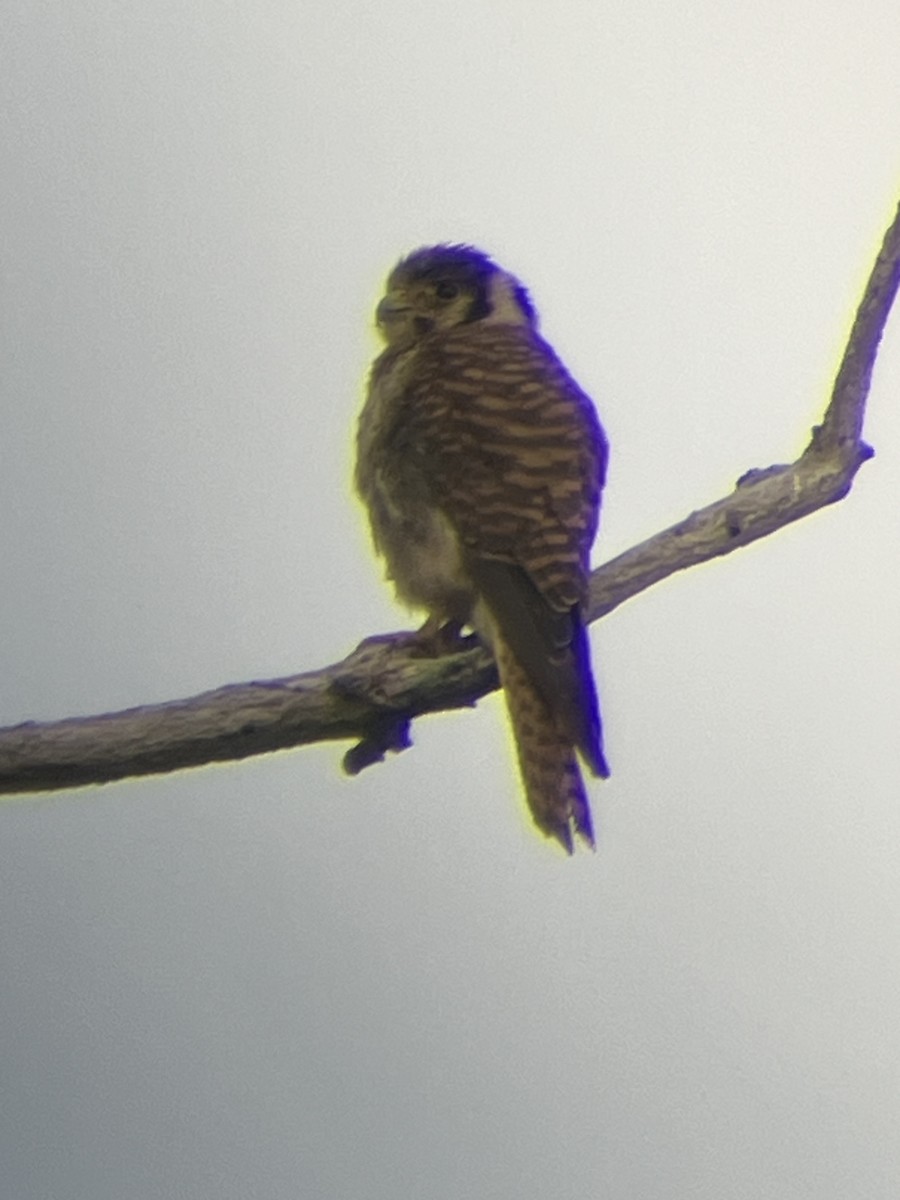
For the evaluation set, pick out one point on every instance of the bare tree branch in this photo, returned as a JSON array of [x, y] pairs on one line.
[[374, 694]]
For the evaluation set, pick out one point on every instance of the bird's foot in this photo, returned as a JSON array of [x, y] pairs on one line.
[[436, 639]]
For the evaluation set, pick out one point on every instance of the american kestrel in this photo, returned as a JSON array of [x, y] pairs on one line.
[[481, 462]]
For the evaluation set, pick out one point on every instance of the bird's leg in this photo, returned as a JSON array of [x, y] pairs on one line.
[[437, 637], [370, 679], [434, 639]]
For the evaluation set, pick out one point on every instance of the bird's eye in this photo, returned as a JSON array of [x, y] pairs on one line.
[[445, 290]]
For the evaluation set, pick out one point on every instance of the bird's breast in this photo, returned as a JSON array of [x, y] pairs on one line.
[[422, 548]]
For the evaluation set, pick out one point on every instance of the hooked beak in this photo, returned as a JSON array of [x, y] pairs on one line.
[[391, 308]]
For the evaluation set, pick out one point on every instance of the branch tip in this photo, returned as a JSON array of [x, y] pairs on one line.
[[389, 735]]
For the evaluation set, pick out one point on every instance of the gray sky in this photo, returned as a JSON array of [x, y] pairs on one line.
[[266, 980]]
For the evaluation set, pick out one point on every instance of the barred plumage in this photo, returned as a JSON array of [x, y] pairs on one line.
[[481, 463]]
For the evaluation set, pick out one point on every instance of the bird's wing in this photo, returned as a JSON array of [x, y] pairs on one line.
[[516, 459], [513, 449]]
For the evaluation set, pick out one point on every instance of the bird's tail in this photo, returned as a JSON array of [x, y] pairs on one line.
[[554, 788]]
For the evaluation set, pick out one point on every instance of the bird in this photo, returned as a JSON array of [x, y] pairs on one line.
[[481, 463]]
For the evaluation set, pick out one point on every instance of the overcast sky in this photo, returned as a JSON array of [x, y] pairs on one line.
[[267, 980]]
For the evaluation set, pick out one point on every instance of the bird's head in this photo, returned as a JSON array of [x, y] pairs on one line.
[[439, 287]]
